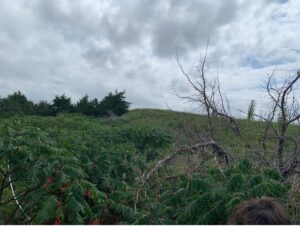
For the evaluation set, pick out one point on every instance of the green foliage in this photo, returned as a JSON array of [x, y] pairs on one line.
[[62, 104], [43, 108], [143, 137], [16, 103], [86, 106], [113, 104], [46, 213], [73, 169], [71, 174], [251, 110], [209, 198]]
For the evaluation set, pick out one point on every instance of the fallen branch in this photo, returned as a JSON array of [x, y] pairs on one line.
[[217, 150]]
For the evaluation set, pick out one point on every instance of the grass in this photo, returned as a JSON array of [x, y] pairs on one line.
[[149, 135]]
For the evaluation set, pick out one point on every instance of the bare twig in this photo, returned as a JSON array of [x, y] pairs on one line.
[[217, 150], [286, 107], [208, 96]]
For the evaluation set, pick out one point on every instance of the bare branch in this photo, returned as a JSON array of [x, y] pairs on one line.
[[285, 106], [209, 96], [217, 150]]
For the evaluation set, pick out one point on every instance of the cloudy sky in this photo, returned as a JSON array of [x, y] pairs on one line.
[[97, 46]]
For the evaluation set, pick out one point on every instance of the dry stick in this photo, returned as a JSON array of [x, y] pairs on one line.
[[294, 163], [216, 149], [14, 195], [219, 167]]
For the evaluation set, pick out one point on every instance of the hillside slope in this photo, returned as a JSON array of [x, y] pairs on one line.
[[74, 169]]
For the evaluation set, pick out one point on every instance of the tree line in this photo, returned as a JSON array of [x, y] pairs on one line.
[[18, 104]]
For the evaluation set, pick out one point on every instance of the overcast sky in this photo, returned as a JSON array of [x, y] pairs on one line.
[[97, 46]]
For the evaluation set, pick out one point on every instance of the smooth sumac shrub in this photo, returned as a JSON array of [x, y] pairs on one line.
[[209, 198]]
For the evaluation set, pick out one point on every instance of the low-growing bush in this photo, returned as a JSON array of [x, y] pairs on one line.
[[209, 198]]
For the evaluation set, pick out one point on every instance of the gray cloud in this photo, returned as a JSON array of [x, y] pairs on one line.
[[165, 24], [188, 25], [93, 47], [180, 87]]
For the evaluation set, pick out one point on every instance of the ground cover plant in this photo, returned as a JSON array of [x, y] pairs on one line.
[[71, 172], [74, 169]]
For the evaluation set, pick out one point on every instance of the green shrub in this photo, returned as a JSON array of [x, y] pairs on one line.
[[209, 198]]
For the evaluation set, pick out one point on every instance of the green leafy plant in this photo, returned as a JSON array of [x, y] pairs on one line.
[[209, 198], [63, 175], [251, 110]]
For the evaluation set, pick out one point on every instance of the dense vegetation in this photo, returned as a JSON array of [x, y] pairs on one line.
[[75, 169], [18, 104]]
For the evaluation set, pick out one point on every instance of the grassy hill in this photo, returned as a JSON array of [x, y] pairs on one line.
[[75, 169]]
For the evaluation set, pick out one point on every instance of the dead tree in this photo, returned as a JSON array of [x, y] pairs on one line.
[[208, 96], [285, 108]]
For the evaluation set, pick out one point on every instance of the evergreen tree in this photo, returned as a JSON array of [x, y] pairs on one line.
[[85, 106], [113, 104], [16, 103], [95, 104], [62, 104], [44, 108]]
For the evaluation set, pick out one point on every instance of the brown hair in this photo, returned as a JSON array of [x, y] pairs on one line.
[[259, 211]]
